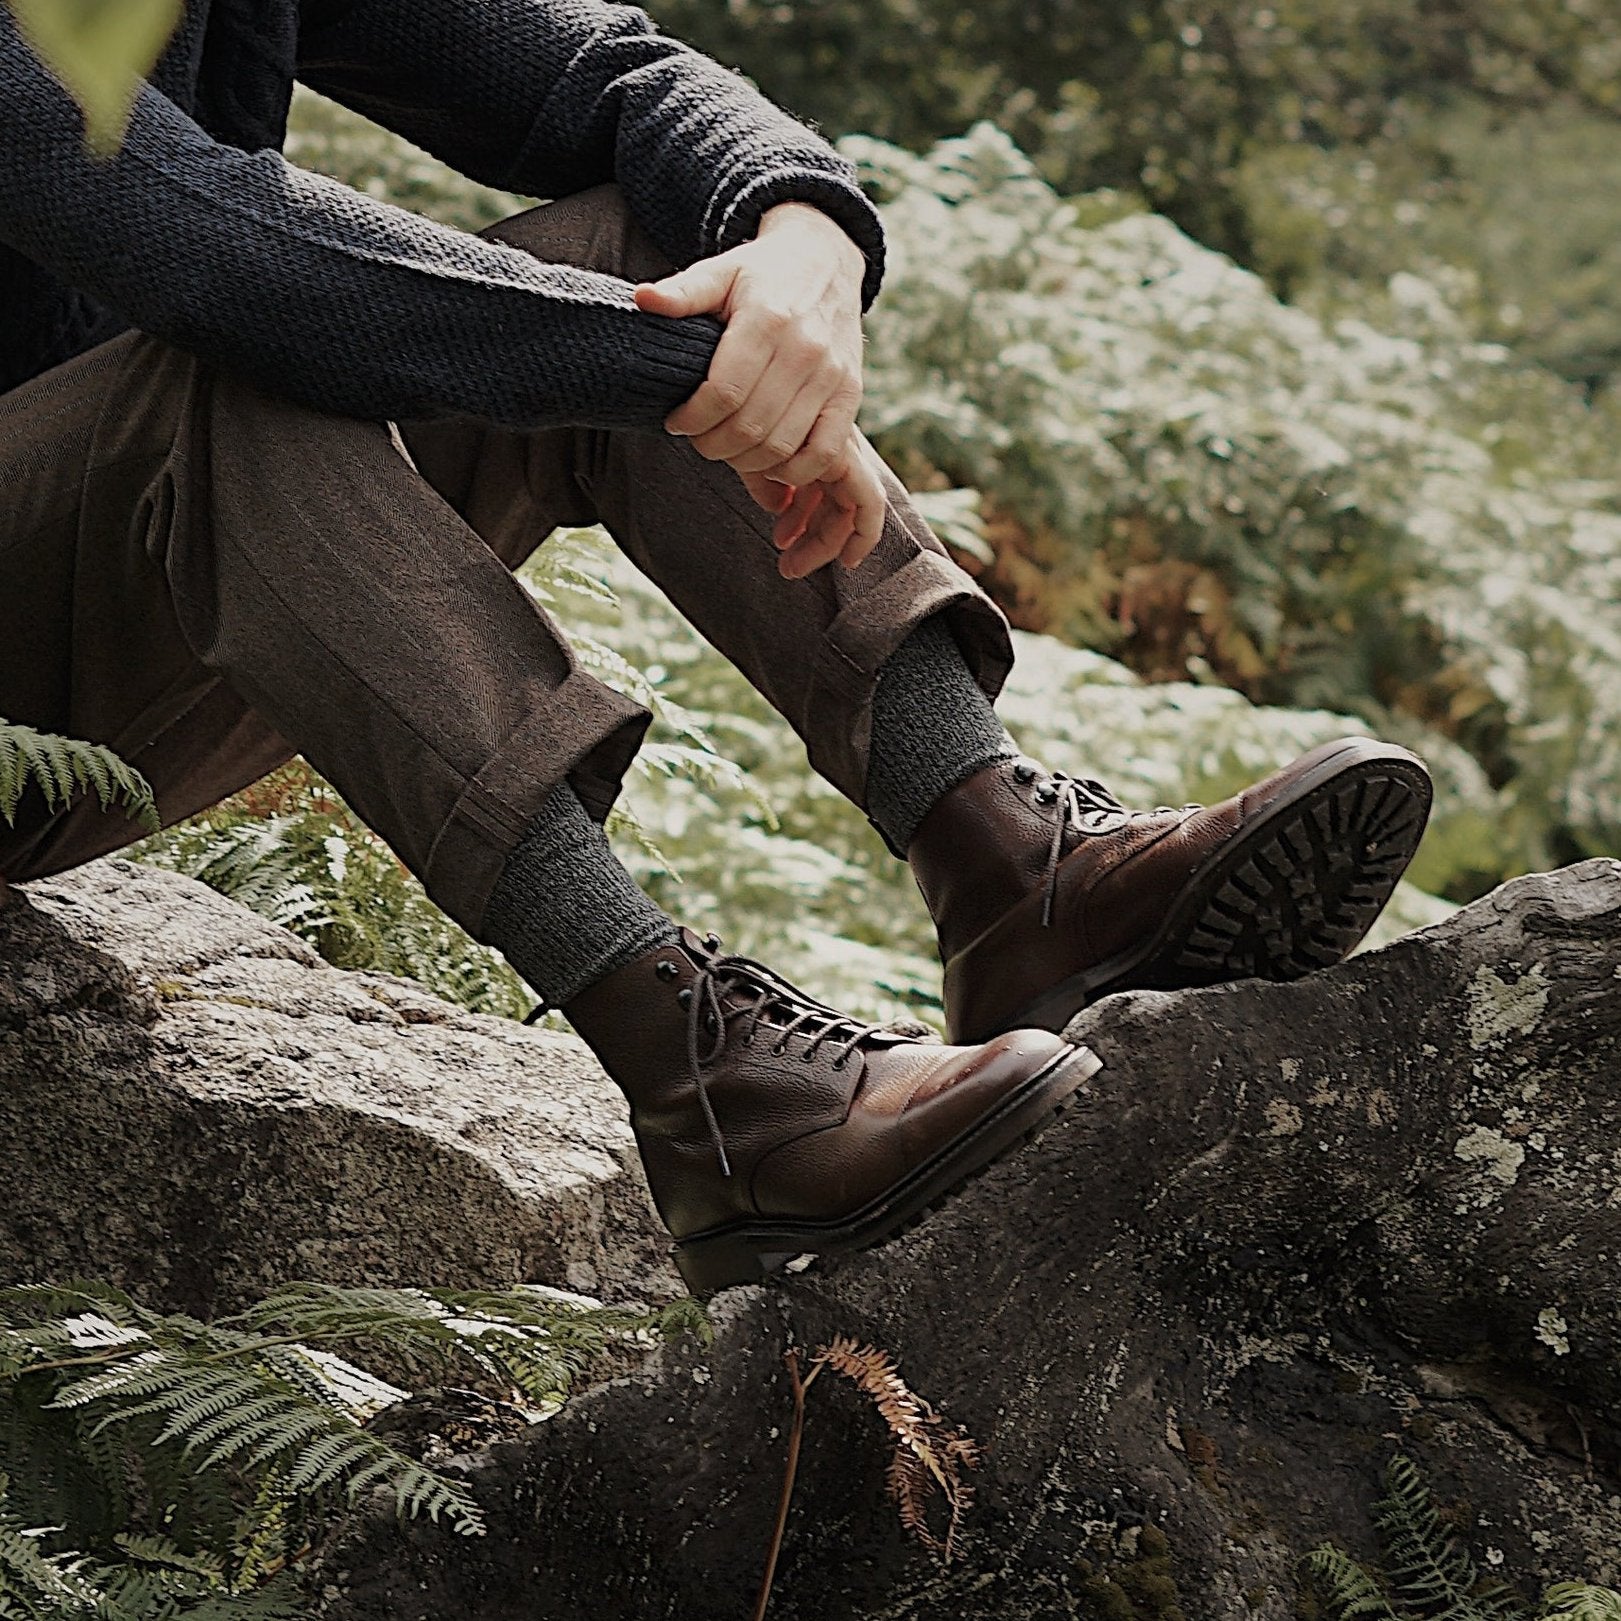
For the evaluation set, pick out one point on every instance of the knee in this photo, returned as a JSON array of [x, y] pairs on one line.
[[593, 229]]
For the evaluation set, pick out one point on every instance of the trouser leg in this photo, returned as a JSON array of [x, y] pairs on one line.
[[813, 648], [205, 578], [212, 577]]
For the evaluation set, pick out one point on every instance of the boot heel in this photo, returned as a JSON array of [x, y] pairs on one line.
[[708, 1265]]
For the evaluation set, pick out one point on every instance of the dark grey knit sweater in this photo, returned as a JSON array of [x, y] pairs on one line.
[[200, 233]]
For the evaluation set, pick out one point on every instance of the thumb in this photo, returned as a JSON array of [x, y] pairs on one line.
[[700, 289]]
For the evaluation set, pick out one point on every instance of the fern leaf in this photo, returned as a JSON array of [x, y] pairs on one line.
[[1347, 1591], [1426, 1566], [64, 767], [1577, 1601], [167, 1555], [34, 1582], [420, 1491], [279, 1600]]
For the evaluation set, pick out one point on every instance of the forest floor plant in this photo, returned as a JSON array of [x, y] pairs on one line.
[[928, 1463], [153, 1466], [1430, 1575]]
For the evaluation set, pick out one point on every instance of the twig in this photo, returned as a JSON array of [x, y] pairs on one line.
[[790, 1469]]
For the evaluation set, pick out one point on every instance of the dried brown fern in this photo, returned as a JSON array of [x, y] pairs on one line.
[[930, 1454]]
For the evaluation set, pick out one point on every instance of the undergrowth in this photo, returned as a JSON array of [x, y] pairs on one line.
[[154, 1466], [1428, 1574]]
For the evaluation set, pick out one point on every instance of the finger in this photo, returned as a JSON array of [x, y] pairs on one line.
[[794, 361], [738, 364], [770, 493], [756, 423], [818, 457], [871, 508], [797, 516], [700, 289], [823, 540], [789, 438]]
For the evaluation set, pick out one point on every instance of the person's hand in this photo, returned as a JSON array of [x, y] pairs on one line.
[[838, 518], [785, 382]]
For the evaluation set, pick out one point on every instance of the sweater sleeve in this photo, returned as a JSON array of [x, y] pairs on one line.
[[314, 291], [547, 97]]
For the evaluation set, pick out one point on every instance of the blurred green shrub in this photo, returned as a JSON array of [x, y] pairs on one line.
[[1366, 511]]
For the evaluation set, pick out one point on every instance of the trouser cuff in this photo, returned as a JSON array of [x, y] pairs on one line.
[[604, 731]]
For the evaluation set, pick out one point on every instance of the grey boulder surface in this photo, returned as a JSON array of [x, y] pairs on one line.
[[1288, 1232], [195, 1107]]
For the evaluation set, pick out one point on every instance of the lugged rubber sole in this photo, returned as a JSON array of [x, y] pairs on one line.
[[1295, 892], [749, 1252]]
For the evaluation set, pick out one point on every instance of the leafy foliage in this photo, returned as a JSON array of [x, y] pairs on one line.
[[183, 1468], [1429, 1574], [1369, 513], [1577, 1601], [1513, 212], [1197, 105], [99, 49], [62, 768]]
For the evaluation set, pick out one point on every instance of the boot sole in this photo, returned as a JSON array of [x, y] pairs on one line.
[[1294, 893], [749, 1252]]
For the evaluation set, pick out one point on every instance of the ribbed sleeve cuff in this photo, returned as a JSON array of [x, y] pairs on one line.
[[841, 200], [667, 361]]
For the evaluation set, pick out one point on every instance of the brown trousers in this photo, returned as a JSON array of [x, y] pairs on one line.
[[207, 579]]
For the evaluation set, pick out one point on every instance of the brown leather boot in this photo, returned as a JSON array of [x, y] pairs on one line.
[[1048, 893], [772, 1126]]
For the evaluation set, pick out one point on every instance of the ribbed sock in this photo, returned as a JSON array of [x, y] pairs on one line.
[[932, 728], [564, 911]]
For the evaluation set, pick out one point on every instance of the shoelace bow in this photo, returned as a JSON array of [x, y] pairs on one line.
[[1085, 806], [707, 1013]]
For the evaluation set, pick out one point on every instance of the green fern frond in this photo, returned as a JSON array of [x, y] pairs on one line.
[[62, 768], [1347, 1591], [197, 1462], [1429, 1567], [248, 1410], [1428, 1572], [1577, 1601], [527, 1337], [36, 1583]]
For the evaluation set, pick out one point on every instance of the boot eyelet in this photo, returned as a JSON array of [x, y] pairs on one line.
[[778, 1050], [1024, 772], [666, 969], [709, 1024], [841, 1064], [712, 942], [685, 997], [807, 1057], [1046, 796]]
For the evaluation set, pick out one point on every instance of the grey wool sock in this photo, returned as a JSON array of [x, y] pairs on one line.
[[564, 912], [932, 728]]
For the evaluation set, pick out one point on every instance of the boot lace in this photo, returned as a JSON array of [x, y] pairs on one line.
[[709, 1015], [1083, 806]]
